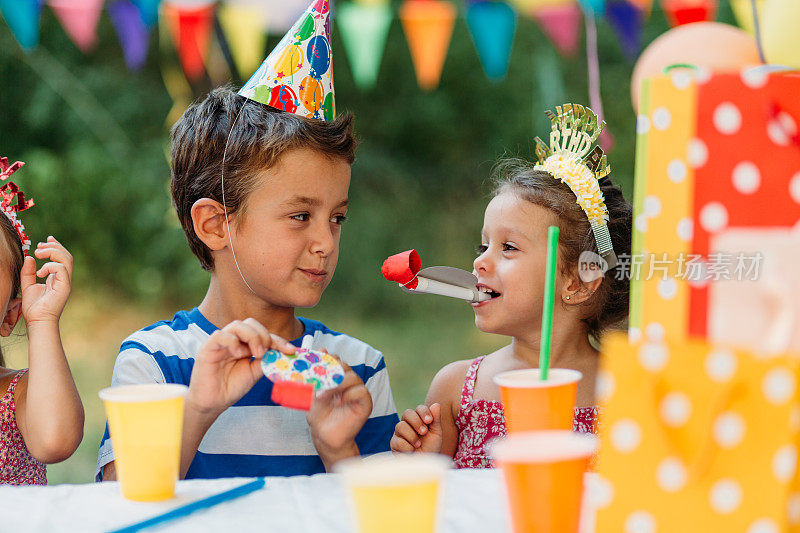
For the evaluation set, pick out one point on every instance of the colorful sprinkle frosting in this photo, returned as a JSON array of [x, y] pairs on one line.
[[318, 369]]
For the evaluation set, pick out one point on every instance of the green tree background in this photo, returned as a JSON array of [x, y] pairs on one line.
[[95, 140]]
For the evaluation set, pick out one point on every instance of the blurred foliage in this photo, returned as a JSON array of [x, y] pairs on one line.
[[95, 140]]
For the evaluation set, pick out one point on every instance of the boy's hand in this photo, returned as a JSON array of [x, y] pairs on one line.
[[228, 365], [420, 430], [336, 417], [44, 302]]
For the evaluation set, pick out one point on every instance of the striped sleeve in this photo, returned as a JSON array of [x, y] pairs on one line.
[[374, 437], [134, 365]]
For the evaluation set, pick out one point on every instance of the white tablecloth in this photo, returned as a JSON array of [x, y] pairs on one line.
[[473, 500]]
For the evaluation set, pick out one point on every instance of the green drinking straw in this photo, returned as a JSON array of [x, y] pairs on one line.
[[549, 298]]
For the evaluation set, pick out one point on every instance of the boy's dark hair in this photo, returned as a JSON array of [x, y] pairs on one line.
[[16, 258], [608, 306], [255, 140]]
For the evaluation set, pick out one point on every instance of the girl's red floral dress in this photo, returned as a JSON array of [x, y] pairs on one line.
[[479, 421], [17, 465]]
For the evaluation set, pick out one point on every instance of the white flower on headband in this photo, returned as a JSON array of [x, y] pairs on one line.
[[573, 171]]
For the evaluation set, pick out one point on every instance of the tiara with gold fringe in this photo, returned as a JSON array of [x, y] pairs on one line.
[[571, 158]]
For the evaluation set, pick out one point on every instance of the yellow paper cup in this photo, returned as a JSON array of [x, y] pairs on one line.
[[145, 423], [530, 404], [544, 472], [389, 491]]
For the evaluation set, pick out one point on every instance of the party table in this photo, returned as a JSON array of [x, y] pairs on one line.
[[472, 500]]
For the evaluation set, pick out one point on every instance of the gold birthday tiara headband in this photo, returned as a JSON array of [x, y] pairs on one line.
[[571, 158]]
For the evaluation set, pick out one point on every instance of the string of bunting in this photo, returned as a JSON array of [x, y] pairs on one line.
[[364, 25], [217, 40]]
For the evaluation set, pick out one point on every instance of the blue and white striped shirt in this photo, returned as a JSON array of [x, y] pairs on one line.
[[254, 437]]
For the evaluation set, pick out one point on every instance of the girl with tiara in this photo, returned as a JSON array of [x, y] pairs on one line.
[[569, 187], [41, 415]]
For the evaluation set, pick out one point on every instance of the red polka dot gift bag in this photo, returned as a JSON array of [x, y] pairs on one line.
[[715, 154], [696, 438]]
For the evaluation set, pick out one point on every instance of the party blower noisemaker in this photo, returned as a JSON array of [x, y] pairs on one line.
[[405, 270]]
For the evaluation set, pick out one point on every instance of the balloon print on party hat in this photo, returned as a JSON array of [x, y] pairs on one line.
[[297, 76]]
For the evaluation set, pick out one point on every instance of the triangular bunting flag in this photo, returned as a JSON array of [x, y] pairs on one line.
[[131, 31], [280, 15], [626, 21], [681, 12], [492, 25], [596, 7], [190, 28], [244, 31], [297, 76], [174, 79], [22, 16], [364, 29], [264, 11], [79, 19], [530, 6], [428, 25], [645, 6], [148, 10], [562, 25]]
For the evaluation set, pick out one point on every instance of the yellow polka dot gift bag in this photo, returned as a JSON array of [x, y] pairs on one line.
[[696, 438], [715, 153]]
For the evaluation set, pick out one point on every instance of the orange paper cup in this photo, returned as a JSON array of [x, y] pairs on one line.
[[531, 404], [544, 473]]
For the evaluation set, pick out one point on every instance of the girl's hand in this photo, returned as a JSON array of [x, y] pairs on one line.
[[228, 365], [420, 430], [44, 302]]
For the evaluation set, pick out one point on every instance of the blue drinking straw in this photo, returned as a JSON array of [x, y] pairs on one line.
[[199, 505]]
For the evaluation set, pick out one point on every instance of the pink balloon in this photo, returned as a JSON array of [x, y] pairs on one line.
[[715, 46]]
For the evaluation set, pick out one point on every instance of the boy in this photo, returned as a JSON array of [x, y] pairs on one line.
[[270, 241]]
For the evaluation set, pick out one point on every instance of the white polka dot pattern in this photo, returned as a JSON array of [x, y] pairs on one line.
[[671, 474], [711, 431], [661, 118], [653, 356], [626, 435], [727, 118], [746, 177], [784, 463], [725, 496], [675, 409], [640, 522], [720, 365], [763, 525], [714, 217], [778, 386], [794, 188], [729, 429]]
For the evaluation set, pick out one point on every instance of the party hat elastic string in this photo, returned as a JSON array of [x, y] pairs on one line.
[[225, 204], [312, 98]]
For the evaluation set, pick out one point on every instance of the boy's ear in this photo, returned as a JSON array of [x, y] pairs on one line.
[[208, 219], [11, 317]]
